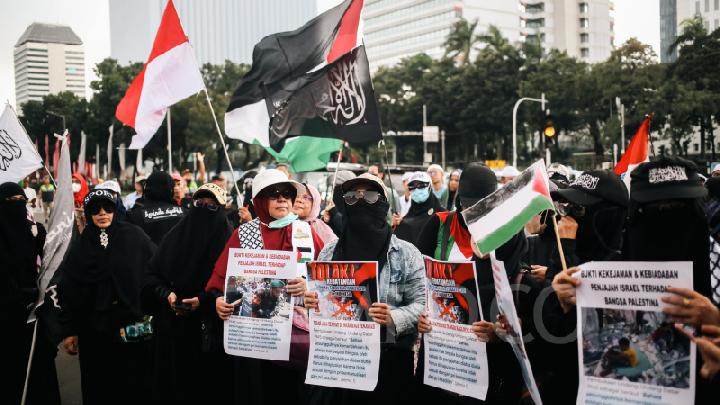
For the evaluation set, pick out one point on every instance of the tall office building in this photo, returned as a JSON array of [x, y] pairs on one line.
[[218, 29], [48, 59], [395, 29], [673, 13], [668, 30], [582, 28]]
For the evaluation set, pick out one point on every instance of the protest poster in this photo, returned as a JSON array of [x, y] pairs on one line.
[[261, 324], [344, 340], [455, 360], [506, 309], [628, 350]]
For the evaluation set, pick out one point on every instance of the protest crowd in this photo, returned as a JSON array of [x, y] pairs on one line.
[[467, 286]]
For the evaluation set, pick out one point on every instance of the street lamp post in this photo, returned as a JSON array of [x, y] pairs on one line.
[[540, 100], [621, 111]]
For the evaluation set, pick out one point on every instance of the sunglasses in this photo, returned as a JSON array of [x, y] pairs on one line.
[[285, 193], [211, 207], [106, 206], [413, 186], [370, 197]]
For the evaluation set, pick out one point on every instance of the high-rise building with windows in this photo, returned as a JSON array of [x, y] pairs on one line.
[[218, 29], [673, 13], [582, 28], [48, 59], [395, 29]]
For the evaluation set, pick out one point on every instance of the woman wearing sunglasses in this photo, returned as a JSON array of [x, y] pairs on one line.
[[175, 294], [102, 277], [307, 207], [367, 236], [275, 228]]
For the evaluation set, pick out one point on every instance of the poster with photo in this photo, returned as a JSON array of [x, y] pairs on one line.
[[455, 360], [506, 309], [628, 350], [256, 283], [344, 340]]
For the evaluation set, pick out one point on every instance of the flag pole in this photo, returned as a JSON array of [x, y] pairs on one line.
[[559, 244], [169, 143], [337, 167], [387, 167], [222, 141]]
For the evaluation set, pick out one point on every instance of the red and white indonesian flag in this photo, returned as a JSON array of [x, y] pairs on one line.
[[496, 218], [636, 153], [170, 75]]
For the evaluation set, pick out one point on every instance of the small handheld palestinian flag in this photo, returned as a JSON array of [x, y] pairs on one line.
[[496, 218]]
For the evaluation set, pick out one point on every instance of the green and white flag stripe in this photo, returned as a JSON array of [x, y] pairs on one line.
[[496, 218]]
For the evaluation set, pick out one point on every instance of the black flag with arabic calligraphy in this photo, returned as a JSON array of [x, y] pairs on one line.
[[313, 81]]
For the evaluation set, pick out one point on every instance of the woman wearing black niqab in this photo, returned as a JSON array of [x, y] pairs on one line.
[[101, 315], [21, 243], [178, 273], [367, 236]]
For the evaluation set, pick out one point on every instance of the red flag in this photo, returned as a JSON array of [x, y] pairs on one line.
[[637, 152], [170, 75]]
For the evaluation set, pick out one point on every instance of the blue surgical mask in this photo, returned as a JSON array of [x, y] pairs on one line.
[[283, 222], [420, 195]]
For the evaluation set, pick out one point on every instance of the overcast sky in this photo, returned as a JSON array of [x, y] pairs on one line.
[[89, 19]]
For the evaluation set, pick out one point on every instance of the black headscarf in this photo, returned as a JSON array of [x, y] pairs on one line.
[[366, 232], [418, 215], [19, 248], [676, 234], [159, 186], [186, 255], [600, 232]]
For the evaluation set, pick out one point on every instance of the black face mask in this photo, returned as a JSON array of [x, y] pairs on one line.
[[372, 216]]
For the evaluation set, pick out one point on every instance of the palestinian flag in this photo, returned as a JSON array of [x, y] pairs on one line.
[[313, 81], [496, 218], [306, 153]]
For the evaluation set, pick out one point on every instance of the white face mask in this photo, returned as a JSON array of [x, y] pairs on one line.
[[76, 187]]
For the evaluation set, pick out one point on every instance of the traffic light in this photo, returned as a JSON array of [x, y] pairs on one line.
[[549, 127]]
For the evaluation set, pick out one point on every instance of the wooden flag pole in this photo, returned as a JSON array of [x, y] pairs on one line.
[[387, 168], [222, 141], [560, 249]]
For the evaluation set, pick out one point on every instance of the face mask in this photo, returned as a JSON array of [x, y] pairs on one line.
[[76, 187], [283, 222], [420, 195]]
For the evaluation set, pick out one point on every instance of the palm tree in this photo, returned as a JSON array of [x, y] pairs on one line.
[[461, 40], [693, 29]]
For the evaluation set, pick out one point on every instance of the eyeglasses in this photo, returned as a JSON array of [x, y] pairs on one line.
[[281, 192], [370, 197], [200, 204], [106, 206], [307, 197], [568, 209]]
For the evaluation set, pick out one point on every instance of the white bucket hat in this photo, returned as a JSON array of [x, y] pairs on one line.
[[270, 177]]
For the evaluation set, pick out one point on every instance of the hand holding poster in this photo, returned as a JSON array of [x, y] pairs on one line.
[[256, 282], [344, 340], [455, 360], [629, 351]]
